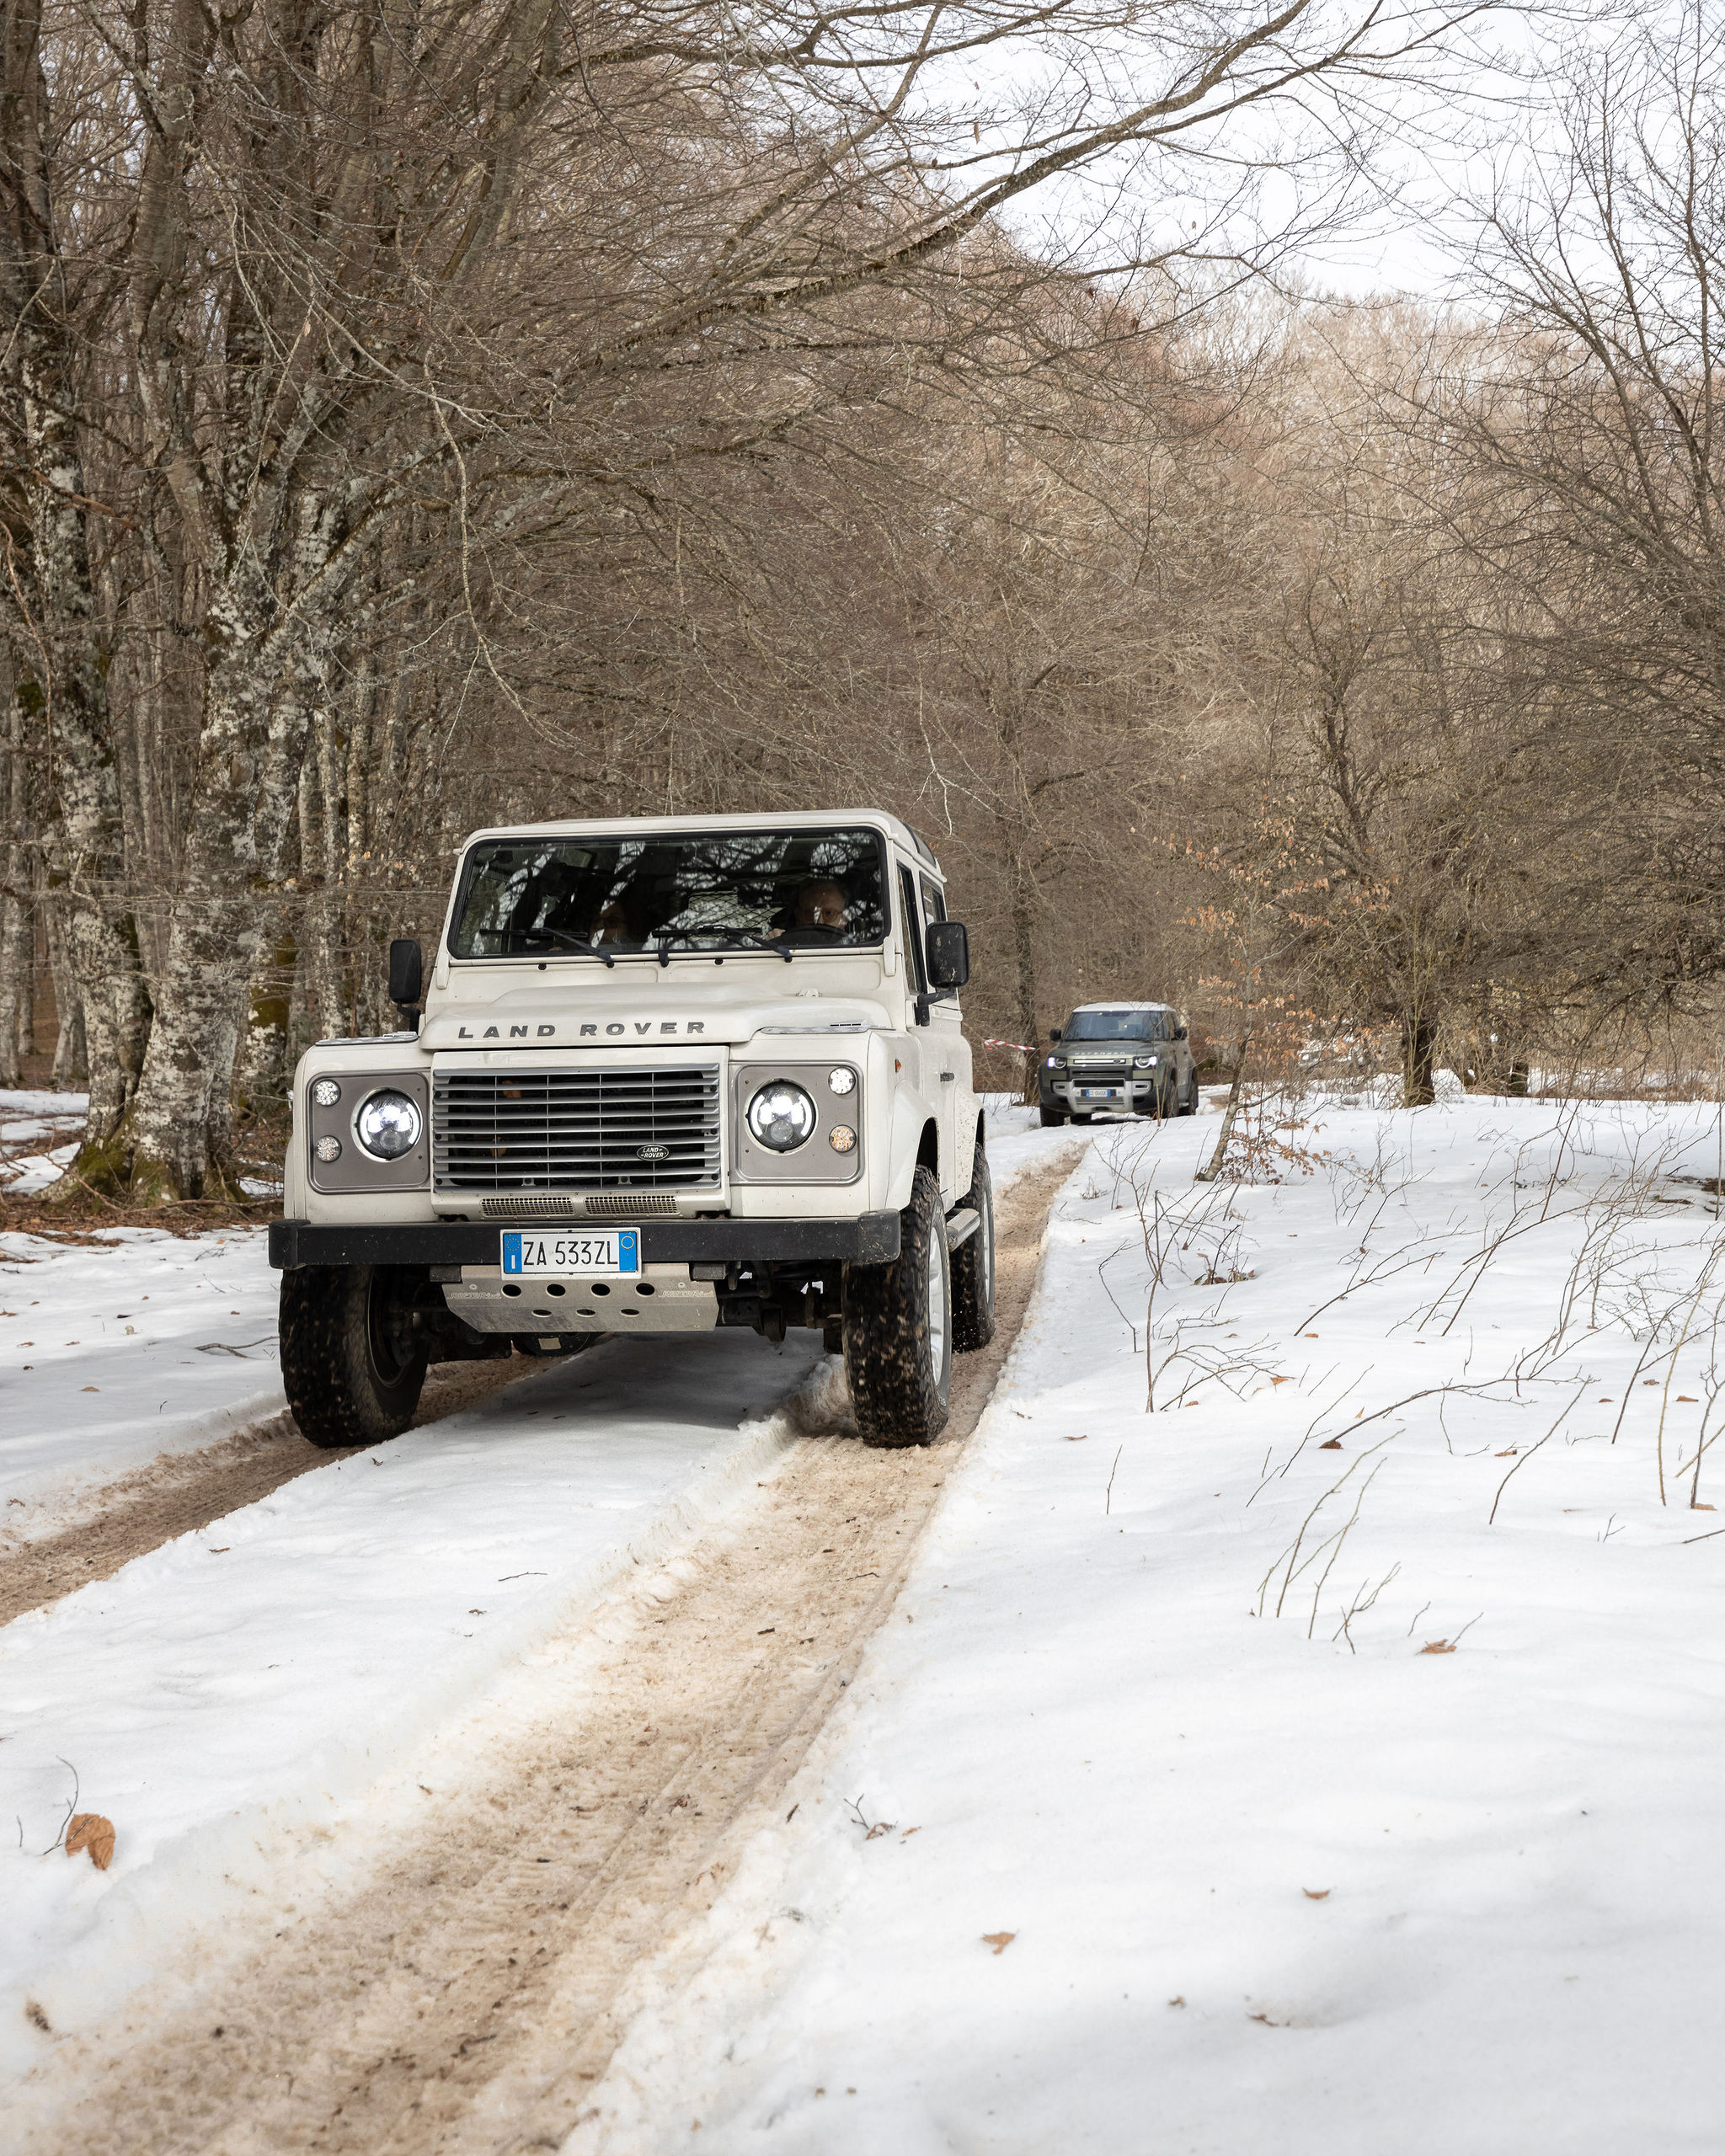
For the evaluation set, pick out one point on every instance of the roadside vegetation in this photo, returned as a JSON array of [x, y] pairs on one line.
[[503, 413]]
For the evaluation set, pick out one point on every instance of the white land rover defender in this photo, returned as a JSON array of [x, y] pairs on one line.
[[672, 1073]]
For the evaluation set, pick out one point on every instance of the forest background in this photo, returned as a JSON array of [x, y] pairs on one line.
[[417, 414]]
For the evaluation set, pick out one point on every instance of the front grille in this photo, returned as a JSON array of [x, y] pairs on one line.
[[576, 1130], [1101, 1074]]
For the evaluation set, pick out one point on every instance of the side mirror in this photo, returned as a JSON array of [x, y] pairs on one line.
[[1179, 1033], [948, 949], [407, 972], [1056, 1034]]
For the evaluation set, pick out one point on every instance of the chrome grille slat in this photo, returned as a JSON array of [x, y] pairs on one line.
[[575, 1130]]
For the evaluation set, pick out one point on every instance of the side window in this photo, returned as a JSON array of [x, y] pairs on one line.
[[934, 905], [913, 930]]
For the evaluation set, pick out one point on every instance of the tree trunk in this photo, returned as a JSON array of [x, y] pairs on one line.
[[250, 750], [1024, 956], [1419, 1049], [266, 1060]]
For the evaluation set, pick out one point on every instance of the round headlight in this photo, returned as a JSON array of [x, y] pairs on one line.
[[842, 1082], [388, 1125], [326, 1093], [781, 1116]]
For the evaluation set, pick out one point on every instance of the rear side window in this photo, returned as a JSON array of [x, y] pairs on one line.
[[913, 928]]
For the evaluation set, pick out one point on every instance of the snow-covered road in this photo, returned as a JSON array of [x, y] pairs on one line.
[[1318, 1755], [1102, 1852]]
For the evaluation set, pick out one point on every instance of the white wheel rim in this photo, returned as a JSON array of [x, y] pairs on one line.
[[937, 1311]]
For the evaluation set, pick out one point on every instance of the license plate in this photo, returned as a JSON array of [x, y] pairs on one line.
[[1101, 1092], [527, 1256]]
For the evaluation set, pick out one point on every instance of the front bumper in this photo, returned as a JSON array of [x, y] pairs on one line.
[[865, 1239], [1062, 1090]]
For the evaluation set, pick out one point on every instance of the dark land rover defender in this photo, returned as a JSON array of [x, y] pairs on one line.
[[1120, 1059]]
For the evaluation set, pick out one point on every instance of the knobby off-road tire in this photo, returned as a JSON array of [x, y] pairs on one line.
[[351, 1366], [973, 1267], [899, 1329], [1051, 1117], [1189, 1104]]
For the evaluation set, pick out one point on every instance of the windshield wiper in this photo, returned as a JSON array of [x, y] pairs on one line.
[[739, 938], [573, 943]]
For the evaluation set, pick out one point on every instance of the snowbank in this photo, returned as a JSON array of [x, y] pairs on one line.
[[113, 1353], [1103, 1853]]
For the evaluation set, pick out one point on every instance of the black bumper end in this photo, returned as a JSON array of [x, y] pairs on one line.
[[870, 1239]]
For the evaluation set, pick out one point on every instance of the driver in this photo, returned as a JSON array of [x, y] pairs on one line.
[[820, 905]]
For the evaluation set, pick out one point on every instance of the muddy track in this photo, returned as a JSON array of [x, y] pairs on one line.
[[467, 1999], [182, 1492]]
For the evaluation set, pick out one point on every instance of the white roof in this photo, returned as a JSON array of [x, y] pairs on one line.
[[1145, 1005]]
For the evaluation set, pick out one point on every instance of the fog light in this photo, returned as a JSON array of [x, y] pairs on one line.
[[841, 1138], [329, 1149], [326, 1093]]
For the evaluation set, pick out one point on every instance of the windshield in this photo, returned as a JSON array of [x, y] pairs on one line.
[[711, 891], [1143, 1024]]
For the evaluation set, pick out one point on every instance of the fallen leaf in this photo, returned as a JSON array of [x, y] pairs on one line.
[[89, 1388], [908, 1832], [1312, 1335], [1331, 1445], [881, 1827], [1704, 1508], [1510, 1454], [89, 1830], [1000, 1940], [1281, 1380], [1079, 1439], [1177, 2002], [1437, 1646], [1682, 1396], [1315, 1893]]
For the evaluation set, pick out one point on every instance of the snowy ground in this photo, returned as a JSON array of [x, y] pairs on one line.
[[1159, 1818], [226, 1695], [1352, 1817], [39, 1134], [113, 1351]]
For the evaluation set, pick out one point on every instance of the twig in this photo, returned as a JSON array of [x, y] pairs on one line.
[[1522, 1461]]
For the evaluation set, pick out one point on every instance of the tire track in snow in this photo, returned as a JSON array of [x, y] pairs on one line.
[[181, 1492], [467, 1999]]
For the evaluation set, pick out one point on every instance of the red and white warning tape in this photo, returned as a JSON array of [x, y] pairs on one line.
[[1024, 1047]]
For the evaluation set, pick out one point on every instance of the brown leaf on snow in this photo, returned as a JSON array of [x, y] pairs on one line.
[[89, 1830], [1704, 1508], [1682, 1396], [1080, 1437], [1000, 1940], [1437, 1646], [1510, 1454], [1281, 1380], [1331, 1445], [1315, 1893]]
